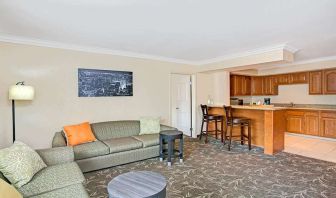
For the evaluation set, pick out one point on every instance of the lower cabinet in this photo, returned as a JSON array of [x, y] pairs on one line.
[[309, 122], [328, 124], [295, 122], [312, 123]]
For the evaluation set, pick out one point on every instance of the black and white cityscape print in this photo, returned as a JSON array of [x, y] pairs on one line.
[[100, 83]]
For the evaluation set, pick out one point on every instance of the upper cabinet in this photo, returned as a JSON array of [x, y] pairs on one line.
[[283, 79], [320, 82], [240, 85], [298, 78], [329, 81], [257, 84], [315, 82], [270, 86]]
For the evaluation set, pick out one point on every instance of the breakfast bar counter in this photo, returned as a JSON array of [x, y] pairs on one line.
[[268, 125]]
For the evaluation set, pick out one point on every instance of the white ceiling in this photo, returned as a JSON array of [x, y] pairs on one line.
[[181, 30]]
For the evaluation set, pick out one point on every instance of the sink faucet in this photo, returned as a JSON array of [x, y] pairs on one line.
[[291, 104]]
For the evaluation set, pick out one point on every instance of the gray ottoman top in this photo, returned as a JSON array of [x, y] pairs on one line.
[[137, 184]]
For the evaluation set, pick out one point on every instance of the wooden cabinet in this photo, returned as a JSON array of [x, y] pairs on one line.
[[257, 85], [312, 123], [270, 86], [247, 85], [315, 82], [240, 85], [320, 82], [328, 124], [283, 79], [329, 81], [298, 78], [295, 121]]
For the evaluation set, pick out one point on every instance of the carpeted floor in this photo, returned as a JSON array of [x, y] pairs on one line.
[[209, 170]]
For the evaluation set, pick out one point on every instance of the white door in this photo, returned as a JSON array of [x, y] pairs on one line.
[[181, 102]]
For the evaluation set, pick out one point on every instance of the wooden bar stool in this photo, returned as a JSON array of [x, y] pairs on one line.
[[208, 118], [232, 121]]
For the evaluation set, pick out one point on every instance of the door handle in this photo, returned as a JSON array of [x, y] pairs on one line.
[[177, 108]]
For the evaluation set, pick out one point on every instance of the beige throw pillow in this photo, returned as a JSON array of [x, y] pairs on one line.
[[149, 125], [19, 163]]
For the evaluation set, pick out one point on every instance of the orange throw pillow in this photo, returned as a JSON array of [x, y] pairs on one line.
[[79, 134]]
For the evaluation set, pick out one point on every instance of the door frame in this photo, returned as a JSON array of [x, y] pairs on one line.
[[192, 101]]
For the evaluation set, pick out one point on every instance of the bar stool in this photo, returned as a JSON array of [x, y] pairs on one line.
[[208, 118], [232, 121]]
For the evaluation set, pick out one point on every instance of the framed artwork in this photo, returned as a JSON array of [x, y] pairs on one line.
[[104, 83]]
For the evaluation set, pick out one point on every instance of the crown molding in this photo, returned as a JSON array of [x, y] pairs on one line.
[[297, 63], [249, 53], [59, 45]]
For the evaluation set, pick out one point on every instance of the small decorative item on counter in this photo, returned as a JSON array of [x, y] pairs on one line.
[[210, 100]]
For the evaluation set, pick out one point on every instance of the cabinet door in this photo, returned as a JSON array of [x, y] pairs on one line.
[[238, 85], [270, 86], [312, 123], [328, 124], [329, 81], [315, 82], [298, 78], [247, 85], [295, 122], [257, 85], [283, 79]]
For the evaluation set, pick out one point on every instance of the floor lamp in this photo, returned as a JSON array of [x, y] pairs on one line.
[[20, 91]]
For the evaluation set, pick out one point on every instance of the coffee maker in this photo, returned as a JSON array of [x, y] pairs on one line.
[[267, 101]]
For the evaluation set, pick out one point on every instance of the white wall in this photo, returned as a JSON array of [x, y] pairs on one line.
[[53, 73]]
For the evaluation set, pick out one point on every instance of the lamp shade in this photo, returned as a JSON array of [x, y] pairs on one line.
[[21, 92]]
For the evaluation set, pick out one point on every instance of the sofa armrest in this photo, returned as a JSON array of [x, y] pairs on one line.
[[165, 127], [58, 140], [58, 155]]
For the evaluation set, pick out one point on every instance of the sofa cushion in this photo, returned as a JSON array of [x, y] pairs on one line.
[[53, 177], [149, 125], [115, 129], [123, 144], [91, 149], [148, 139], [73, 191]]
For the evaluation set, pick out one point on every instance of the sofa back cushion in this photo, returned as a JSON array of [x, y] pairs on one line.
[[115, 129]]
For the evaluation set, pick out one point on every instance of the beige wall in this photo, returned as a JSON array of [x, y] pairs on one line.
[[53, 73], [215, 85]]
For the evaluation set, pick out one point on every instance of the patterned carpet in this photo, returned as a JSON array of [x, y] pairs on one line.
[[209, 170]]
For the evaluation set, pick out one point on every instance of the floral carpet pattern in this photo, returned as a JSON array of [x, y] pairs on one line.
[[210, 171]]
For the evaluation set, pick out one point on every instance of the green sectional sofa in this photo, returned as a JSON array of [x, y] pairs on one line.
[[118, 142], [61, 178]]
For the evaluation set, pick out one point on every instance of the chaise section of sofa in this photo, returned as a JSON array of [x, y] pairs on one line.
[[118, 142]]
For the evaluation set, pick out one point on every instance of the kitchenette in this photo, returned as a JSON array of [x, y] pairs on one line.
[[299, 103]]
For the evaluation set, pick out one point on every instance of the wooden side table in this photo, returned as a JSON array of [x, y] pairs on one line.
[[170, 136]]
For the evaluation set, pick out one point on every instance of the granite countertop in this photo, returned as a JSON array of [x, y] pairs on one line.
[[252, 107], [282, 106], [308, 106]]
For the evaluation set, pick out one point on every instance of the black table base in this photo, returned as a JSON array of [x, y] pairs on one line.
[[170, 136]]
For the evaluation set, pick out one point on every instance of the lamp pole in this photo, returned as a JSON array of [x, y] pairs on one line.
[[13, 111], [13, 114]]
